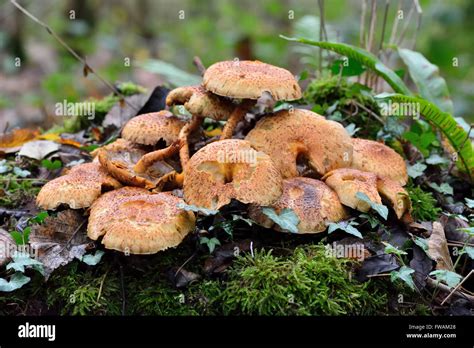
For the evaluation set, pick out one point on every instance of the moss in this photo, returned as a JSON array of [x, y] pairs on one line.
[[306, 283], [15, 193], [423, 204], [130, 88]]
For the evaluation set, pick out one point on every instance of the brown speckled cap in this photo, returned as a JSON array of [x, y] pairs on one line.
[[149, 129], [249, 79], [135, 221], [372, 156], [200, 102], [79, 188], [394, 193], [119, 159], [347, 182], [312, 201], [230, 169], [288, 134]]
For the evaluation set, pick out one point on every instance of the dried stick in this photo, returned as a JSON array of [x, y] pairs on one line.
[[198, 64], [457, 287], [419, 11], [87, 67]]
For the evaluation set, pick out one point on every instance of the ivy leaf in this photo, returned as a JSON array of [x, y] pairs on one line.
[[390, 249], [287, 219], [210, 242], [373, 221], [17, 280], [22, 260], [249, 222], [351, 129], [422, 243], [416, 170], [404, 274], [381, 209], [346, 226], [39, 218], [469, 251], [468, 230], [444, 188], [450, 278], [436, 159], [93, 260], [196, 209], [51, 165], [469, 203], [23, 173]]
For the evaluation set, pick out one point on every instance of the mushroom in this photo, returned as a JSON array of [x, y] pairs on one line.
[[372, 156], [135, 221], [200, 104], [119, 159], [312, 201], [79, 188], [230, 169], [289, 135], [347, 182], [248, 80]]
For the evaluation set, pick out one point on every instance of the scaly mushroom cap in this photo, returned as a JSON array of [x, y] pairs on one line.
[[249, 79], [312, 201], [119, 159], [230, 169], [149, 129], [347, 182], [394, 193], [286, 135], [372, 156], [135, 221], [200, 102], [79, 188]]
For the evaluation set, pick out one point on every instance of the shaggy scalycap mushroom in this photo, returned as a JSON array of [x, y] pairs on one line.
[[311, 200], [395, 194], [149, 129], [133, 220], [230, 169], [288, 134], [347, 182], [119, 159], [79, 188], [372, 156]]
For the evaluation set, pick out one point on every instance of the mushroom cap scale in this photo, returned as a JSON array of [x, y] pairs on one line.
[[375, 157], [78, 188], [249, 80], [136, 221], [311, 200], [230, 169], [149, 129], [200, 102], [287, 134]]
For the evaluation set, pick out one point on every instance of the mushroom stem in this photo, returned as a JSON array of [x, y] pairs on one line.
[[147, 160], [185, 132], [237, 115]]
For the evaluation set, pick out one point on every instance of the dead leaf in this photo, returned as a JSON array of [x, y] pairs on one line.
[[38, 149], [213, 133], [181, 278], [7, 244], [12, 142], [60, 239], [438, 248], [122, 112], [96, 134]]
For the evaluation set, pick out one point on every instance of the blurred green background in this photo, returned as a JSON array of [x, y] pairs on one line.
[[112, 34]]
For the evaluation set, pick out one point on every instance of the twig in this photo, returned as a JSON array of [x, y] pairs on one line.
[[102, 285], [198, 64], [457, 287], [321, 33], [73, 235], [419, 11], [362, 29], [87, 67], [440, 286], [185, 262], [369, 111], [382, 37], [405, 27]]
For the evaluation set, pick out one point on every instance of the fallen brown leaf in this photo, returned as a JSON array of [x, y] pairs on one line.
[[12, 142], [438, 248]]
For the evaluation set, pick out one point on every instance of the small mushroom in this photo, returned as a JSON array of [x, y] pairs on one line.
[[79, 188], [394, 193], [200, 104], [135, 221], [230, 169], [372, 156], [288, 135], [312, 201], [119, 159], [248, 80], [347, 182], [149, 129]]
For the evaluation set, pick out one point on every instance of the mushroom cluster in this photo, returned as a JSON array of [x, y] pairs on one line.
[[292, 159]]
